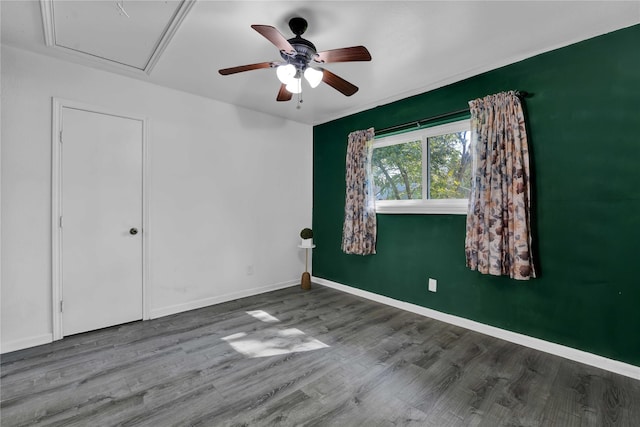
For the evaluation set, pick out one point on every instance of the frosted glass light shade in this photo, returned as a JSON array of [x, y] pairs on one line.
[[295, 86], [286, 73], [313, 76]]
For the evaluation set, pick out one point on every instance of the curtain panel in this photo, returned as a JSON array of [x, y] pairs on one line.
[[359, 229], [498, 234]]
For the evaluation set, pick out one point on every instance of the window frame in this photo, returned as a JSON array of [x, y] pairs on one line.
[[424, 205]]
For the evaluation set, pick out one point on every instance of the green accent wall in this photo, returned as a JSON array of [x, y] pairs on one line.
[[584, 126]]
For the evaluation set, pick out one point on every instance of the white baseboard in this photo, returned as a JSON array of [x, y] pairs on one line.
[[616, 366], [23, 343], [205, 302]]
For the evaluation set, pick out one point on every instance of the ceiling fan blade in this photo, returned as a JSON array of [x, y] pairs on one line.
[[284, 94], [241, 68], [275, 37], [338, 83], [346, 54]]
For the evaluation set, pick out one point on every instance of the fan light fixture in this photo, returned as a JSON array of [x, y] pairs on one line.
[[294, 86], [289, 76], [286, 73], [313, 76]]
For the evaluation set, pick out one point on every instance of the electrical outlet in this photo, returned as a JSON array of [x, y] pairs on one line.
[[433, 285], [250, 270]]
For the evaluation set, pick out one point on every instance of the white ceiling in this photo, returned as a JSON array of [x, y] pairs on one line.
[[416, 45]]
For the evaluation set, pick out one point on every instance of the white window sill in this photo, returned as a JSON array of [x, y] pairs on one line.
[[432, 206]]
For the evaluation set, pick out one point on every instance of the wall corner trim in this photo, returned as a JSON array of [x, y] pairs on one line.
[[570, 353]]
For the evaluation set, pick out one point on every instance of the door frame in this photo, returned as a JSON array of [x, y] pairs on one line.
[[56, 205]]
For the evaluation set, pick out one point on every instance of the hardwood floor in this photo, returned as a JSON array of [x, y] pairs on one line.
[[304, 358]]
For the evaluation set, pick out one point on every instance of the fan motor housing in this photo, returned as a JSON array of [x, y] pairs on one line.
[[305, 52]]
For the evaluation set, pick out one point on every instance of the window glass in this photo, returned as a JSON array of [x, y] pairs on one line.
[[397, 171], [423, 171], [450, 166]]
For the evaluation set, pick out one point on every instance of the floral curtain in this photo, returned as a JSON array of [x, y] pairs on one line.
[[359, 229], [498, 239]]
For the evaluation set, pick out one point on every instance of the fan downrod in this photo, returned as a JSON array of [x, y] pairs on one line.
[[298, 26]]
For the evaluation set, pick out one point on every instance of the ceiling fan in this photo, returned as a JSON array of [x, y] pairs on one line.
[[301, 59]]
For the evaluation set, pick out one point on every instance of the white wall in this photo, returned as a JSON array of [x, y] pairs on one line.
[[228, 188]]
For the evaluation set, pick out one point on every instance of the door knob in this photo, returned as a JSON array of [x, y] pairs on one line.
[[133, 231]]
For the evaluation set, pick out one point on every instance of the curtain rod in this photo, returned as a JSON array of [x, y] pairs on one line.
[[418, 123]]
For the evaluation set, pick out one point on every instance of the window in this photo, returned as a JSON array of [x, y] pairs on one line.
[[423, 171]]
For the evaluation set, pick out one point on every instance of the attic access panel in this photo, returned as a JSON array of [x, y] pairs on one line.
[[125, 33]]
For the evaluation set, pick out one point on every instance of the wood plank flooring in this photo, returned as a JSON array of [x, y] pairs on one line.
[[304, 358]]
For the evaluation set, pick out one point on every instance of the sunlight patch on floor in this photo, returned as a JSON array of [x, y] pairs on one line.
[[272, 341], [263, 315]]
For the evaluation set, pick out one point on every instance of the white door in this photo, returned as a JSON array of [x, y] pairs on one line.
[[101, 205]]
